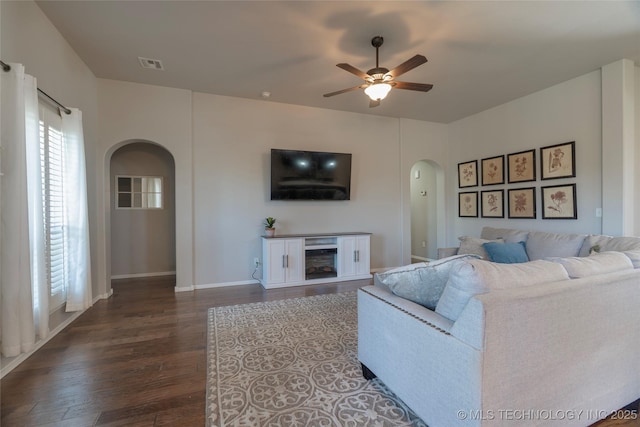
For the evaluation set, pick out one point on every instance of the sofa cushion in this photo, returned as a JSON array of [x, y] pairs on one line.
[[473, 246], [422, 282], [602, 243], [599, 263], [634, 256], [506, 253], [473, 277], [542, 245], [507, 234]]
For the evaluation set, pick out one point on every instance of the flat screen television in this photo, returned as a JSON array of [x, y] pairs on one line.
[[310, 175]]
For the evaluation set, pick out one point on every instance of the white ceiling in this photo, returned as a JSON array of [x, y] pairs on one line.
[[481, 53]]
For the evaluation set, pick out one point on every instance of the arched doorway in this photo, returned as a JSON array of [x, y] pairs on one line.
[[426, 192], [142, 211]]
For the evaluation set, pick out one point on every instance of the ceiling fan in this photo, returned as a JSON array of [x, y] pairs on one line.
[[379, 80]]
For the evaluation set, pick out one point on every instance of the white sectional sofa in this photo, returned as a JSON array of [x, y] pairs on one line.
[[545, 342]]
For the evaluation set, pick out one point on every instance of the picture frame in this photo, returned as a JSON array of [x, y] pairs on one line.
[[522, 203], [468, 204], [521, 166], [493, 170], [559, 202], [468, 174], [492, 204], [558, 161]]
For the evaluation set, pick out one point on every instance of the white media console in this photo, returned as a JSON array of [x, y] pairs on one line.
[[294, 260]]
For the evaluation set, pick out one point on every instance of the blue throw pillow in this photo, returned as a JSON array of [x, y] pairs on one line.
[[506, 253]]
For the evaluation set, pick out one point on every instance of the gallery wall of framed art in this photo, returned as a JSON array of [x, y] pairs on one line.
[[555, 161]]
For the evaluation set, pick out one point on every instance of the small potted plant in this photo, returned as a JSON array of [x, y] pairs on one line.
[[269, 229]]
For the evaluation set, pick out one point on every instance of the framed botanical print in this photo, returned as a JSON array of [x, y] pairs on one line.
[[558, 161], [559, 202], [521, 167], [522, 202], [492, 204], [468, 204], [493, 170], [468, 174]]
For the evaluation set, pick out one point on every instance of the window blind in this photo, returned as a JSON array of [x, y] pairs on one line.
[[52, 165]]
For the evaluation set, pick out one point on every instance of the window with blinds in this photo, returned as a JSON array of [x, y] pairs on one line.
[[52, 166]]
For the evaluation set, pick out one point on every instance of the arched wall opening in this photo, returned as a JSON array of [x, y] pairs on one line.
[[427, 206], [140, 242]]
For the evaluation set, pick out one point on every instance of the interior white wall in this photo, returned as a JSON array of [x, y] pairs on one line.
[[570, 111], [134, 112], [227, 163], [143, 241], [232, 142], [28, 37]]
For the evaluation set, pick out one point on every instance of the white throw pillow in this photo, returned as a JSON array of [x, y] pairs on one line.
[[473, 246], [598, 263], [475, 277], [422, 282]]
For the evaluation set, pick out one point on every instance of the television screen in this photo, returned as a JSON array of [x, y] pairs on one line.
[[310, 175]]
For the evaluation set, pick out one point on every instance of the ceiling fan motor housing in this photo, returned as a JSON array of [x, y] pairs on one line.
[[378, 73]]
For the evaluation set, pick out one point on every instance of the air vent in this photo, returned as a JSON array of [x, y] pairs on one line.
[[155, 64]]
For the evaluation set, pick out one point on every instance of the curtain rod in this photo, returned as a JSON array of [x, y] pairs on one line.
[[7, 67]]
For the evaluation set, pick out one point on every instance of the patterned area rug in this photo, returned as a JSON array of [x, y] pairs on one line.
[[294, 363]]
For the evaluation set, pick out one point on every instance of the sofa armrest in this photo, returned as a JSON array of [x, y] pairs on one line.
[[447, 252], [417, 311], [431, 371]]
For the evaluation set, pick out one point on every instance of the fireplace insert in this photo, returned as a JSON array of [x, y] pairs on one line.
[[320, 263]]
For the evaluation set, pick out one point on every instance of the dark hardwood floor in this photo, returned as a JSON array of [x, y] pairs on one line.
[[136, 359]]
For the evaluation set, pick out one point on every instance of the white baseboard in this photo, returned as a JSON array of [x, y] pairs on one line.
[[223, 284], [11, 364], [183, 288], [102, 296], [138, 275]]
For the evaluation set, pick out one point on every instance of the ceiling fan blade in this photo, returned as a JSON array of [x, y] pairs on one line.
[[422, 87], [354, 70], [338, 92], [373, 103], [407, 66]]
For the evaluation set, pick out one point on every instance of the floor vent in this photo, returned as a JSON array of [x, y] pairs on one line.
[[155, 64]]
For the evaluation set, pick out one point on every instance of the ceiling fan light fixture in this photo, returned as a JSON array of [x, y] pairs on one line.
[[377, 91]]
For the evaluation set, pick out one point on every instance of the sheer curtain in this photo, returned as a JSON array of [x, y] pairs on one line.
[[25, 299], [78, 262]]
